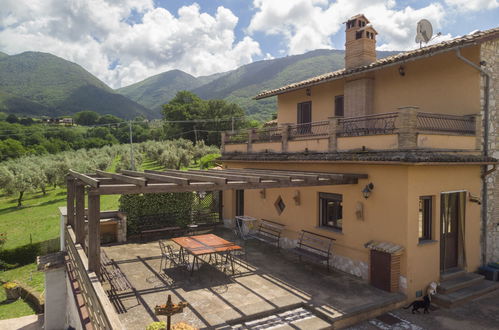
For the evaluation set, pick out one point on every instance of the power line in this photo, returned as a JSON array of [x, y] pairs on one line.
[[232, 119]]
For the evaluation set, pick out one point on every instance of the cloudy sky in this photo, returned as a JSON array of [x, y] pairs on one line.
[[125, 41]]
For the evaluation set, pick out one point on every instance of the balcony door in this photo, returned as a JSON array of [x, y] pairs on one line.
[[304, 118]]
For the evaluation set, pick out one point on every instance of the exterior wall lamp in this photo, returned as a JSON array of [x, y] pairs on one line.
[[367, 190], [401, 71], [308, 91]]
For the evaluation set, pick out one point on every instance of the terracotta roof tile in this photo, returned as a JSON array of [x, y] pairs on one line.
[[396, 156], [466, 40]]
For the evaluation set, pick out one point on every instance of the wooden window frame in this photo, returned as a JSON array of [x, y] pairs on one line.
[[426, 213], [323, 221]]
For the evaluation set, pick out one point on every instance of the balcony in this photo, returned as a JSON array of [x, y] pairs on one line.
[[406, 129]]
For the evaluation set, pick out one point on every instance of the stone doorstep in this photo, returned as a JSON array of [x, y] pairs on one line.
[[465, 294], [451, 273], [459, 282]]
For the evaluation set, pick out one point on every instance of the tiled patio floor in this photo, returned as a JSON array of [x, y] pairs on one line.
[[272, 288]]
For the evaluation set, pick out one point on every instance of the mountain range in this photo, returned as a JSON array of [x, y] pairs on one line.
[[36, 84], [41, 84]]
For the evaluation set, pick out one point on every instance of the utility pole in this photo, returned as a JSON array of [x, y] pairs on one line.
[[195, 134], [232, 124], [132, 159]]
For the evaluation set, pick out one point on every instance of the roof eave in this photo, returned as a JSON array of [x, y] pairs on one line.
[[359, 70]]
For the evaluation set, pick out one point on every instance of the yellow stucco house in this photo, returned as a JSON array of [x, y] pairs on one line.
[[423, 126]]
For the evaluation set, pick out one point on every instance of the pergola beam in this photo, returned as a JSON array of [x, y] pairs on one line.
[[207, 186], [291, 176], [280, 177], [120, 177], [320, 174], [197, 177], [94, 233], [70, 200], [85, 178], [80, 214], [231, 176], [171, 181], [157, 177]]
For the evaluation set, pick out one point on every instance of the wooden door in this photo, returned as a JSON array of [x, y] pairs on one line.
[[381, 270], [449, 233]]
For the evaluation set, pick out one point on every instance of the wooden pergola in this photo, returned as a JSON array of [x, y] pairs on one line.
[[170, 181]]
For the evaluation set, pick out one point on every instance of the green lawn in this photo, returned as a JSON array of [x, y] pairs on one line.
[[150, 165], [36, 221], [13, 309]]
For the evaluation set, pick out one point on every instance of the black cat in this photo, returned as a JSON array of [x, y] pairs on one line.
[[417, 304]]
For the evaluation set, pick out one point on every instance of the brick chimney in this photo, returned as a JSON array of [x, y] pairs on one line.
[[360, 42], [360, 49]]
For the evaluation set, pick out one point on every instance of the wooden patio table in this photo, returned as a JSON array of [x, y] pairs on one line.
[[208, 244]]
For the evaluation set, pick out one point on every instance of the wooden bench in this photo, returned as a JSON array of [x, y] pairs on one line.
[[112, 274], [269, 232], [314, 246], [158, 223]]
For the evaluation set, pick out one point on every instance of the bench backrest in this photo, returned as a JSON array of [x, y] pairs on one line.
[[315, 243], [270, 228]]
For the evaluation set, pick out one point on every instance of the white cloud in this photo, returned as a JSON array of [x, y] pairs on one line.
[[310, 24], [96, 35], [473, 5]]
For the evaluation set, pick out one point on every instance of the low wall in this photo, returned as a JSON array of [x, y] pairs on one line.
[[312, 144], [440, 141], [267, 147], [243, 147], [373, 142]]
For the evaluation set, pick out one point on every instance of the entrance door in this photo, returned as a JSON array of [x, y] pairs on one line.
[[239, 202], [450, 217], [381, 270]]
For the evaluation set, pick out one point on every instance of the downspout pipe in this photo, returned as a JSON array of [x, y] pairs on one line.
[[485, 148]]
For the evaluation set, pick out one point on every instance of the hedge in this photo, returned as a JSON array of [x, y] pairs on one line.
[[137, 205]]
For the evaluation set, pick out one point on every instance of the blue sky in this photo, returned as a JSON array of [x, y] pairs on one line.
[[456, 22], [125, 41]]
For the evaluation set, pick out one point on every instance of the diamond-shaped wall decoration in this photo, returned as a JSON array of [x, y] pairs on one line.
[[279, 205]]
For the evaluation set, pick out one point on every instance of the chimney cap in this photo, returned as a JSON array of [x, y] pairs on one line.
[[368, 26], [356, 17]]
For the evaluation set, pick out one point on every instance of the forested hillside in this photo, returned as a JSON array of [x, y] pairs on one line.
[[242, 84], [34, 83]]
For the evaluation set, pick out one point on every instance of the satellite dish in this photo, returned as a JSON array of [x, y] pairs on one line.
[[424, 31]]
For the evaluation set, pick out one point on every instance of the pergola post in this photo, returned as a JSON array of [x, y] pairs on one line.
[[79, 225], [70, 201], [94, 233]]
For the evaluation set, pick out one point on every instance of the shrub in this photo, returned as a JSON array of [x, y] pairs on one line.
[[208, 161], [176, 204]]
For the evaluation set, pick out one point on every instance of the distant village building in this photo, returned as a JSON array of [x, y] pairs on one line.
[[67, 121]]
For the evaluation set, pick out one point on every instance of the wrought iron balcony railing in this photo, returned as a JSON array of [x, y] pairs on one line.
[[406, 123]]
